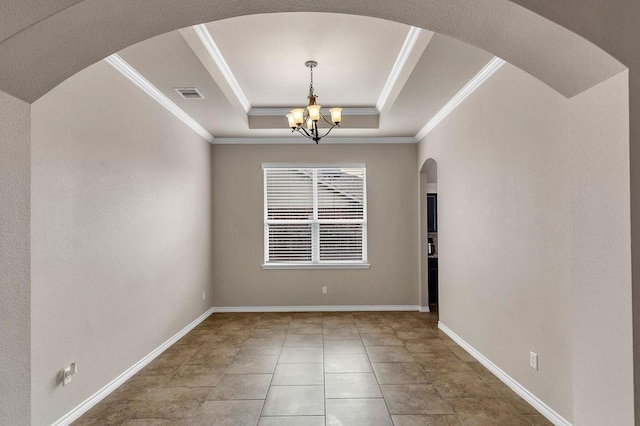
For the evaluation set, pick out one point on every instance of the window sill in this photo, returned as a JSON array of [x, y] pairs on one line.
[[359, 265]]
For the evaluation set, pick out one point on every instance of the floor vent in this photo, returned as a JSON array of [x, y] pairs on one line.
[[189, 92]]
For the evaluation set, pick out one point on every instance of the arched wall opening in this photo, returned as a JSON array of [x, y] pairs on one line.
[[67, 40], [428, 185]]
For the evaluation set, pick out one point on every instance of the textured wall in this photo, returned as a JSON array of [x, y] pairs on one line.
[[238, 229], [15, 344], [503, 229], [120, 233], [600, 257]]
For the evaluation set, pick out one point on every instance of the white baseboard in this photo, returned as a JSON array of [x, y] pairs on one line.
[[424, 309], [87, 404], [543, 408], [331, 308]]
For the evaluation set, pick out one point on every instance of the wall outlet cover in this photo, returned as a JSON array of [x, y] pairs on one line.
[[533, 360]]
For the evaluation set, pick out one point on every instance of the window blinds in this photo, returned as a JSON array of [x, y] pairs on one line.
[[315, 215]]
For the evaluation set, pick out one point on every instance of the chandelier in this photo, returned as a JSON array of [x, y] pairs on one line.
[[305, 121]]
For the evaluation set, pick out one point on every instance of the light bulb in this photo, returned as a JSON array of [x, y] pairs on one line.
[[298, 115], [336, 115], [314, 112], [292, 122]]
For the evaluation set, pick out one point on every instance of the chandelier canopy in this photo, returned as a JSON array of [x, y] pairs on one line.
[[305, 121]]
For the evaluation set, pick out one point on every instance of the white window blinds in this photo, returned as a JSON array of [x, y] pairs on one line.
[[315, 215]]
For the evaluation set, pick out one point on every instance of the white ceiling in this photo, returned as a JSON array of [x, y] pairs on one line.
[[263, 61]]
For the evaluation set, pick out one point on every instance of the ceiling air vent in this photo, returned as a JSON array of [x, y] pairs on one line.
[[189, 92]]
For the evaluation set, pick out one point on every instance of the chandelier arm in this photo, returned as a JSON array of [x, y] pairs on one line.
[[328, 131], [304, 132], [330, 123]]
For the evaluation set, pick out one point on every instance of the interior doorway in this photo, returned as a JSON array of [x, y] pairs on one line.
[[429, 235]]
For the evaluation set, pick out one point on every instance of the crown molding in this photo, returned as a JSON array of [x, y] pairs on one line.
[[302, 141], [282, 111], [138, 79], [410, 53], [483, 75], [212, 48]]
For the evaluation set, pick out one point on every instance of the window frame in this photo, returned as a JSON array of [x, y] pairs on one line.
[[315, 222]]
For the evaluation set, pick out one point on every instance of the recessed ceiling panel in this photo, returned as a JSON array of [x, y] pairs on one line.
[[266, 54]]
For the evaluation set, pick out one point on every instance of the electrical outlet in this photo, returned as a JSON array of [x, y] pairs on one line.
[[203, 295], [324, 290], [533, 360], [69, 372]]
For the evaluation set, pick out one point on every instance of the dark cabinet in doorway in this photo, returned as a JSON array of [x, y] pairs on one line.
[[433, 281], [432, 212]]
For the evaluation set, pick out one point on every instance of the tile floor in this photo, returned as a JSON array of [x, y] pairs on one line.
[[339, 368]]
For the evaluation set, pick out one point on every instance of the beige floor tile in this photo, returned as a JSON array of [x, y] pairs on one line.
[[389, 354], [417, 334], [537, 420], [292, 421], [427, 346], [484, 373], [351, 385], [414, 420], [462, 354], [294, 401], [258, 364], [270, 334], [486, 412], [374, 329], [301, 355], [353, 346], [462, 385], [347, 363], [441, 363], [241, 386], [401, 373], [303, 340], [298, 374], [522, 406], [196, 375], [256, 346], [305, 329], [343, 333], [357, 412], [172, 403], [157, 422], [137, 388], [388, 339], [214, 355], [108, 414], [338, 322], [414, 399], [229, 413], [233, 355]]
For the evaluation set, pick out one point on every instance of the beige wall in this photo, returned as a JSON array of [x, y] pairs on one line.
[[600, 256], [503, 229], [15, 289], [120, 233], [238, 229]]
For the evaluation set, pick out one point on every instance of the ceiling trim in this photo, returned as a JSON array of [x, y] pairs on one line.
[[487, 71], [268, 111], [303, 141], [195, 42], [212, 48], [138, 79], [412, 49]]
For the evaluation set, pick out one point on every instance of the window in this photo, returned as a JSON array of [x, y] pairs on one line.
[[315, 216]]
